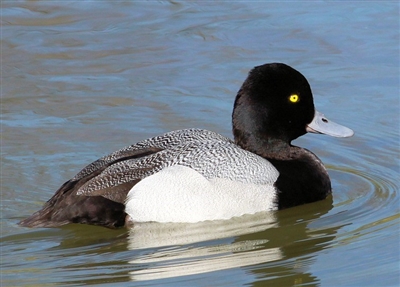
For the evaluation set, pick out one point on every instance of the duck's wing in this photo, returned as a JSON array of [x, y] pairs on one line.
[[114, 175], [146, 147]]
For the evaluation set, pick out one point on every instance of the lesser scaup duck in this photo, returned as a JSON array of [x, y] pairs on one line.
[[194, 175]]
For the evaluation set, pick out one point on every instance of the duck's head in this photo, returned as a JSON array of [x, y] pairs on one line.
[[275, 103]]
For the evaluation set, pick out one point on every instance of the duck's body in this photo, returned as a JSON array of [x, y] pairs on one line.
[[194, 175]]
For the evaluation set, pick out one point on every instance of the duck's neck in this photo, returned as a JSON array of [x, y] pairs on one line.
[[266, 147]]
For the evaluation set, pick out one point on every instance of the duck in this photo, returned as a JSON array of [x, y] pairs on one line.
[[195, 175]]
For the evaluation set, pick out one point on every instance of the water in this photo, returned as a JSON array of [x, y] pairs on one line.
[[81, 79]]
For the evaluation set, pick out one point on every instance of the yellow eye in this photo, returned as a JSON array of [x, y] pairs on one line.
[[294, 98]]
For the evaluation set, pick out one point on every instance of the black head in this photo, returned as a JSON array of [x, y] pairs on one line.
[[274, 103]]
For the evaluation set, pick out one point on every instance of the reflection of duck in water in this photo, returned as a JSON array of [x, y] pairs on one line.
[[282, 244], [194, 175]]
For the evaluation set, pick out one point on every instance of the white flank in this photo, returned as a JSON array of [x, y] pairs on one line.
[[181, 194]]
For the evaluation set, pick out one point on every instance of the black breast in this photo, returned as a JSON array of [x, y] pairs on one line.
[[302, 179]]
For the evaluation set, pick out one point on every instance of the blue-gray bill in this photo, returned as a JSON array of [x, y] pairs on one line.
[[321, 125]]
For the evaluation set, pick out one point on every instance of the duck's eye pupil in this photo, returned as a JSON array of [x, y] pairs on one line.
[[294, 98]]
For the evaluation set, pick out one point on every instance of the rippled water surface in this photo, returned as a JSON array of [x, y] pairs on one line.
[[83, 78]]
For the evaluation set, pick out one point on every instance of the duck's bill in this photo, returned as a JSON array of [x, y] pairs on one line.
[[321, 125]]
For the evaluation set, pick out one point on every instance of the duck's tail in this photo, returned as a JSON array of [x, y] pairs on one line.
[[42, 218], [94, 210]]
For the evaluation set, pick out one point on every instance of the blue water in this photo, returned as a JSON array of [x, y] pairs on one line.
[[81, 79]]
